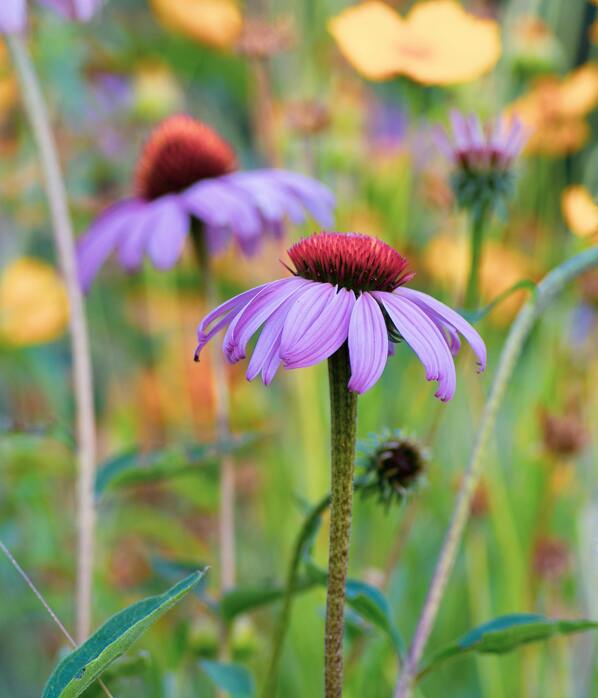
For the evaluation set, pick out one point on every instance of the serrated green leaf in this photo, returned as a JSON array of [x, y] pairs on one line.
[[85, 664], [134, 467], [233, 679], [505, 634]]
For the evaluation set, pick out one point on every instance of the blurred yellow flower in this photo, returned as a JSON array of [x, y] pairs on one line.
[[213, 22], [33, 303], [554, 110], [436, 43], [446, 260], [8, 85], [580, 211], [156, 92]]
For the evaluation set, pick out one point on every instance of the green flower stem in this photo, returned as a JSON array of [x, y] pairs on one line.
[[343, 414], [290, 589], [552, 284], [79, 335], [226, 520], [478, 218]]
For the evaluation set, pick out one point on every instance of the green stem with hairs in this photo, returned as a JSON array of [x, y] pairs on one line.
[[478, 218], [552, 284], [343, 415]]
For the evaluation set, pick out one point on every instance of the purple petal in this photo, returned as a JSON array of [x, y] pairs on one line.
[[254, 314], [221, 205], [424, 338], [440, 138], [460, 132], [307, 307], [96, 245], [79, 10], [326, 334], [368, 343], [13, 16], [217, 238], [449, 317], [170, 224], [222, 316], [134, 243], [313, 195]]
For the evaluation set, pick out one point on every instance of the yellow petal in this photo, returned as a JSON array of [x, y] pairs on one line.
[[367, 35], [438, 43], [444, 45], [212, 22], [33, 303], [580, 211], [579, 91]]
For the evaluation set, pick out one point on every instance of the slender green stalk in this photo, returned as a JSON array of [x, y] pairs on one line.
[[552, 284], [343, 415], [287, 602], [40, 597], [226, 521], [82, 372], [478, 223]]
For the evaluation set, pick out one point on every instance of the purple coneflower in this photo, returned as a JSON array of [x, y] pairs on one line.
[[13, 13], [482, 180], [346, 287], [187, 171]]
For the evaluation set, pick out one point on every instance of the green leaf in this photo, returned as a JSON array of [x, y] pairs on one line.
[[505, 634], [230, 678], [134, 467], [85, 664], [371, 604]]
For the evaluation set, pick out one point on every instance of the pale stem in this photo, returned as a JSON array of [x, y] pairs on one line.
[[81, 360]]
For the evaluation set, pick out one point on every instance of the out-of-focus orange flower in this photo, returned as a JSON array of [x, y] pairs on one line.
[[213, 22], [8, 85], [447, 258], [33, 303], [580, 211], [534, 47], [436, 43], [554, 110]]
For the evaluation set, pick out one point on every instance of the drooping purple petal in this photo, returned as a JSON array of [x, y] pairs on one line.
[[313, 195], [449, 317], [254, 314], [221, 316], [460, 132], [170, 225], [325, 335], [133, 244], [13, 16], [424, 338], [368, 344], [96, 245], [218, 205], [308, 306]]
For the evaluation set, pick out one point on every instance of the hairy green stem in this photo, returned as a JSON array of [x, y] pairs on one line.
[[79, 336], [547, 289], [343, 415], [478, 223], [290, 589]]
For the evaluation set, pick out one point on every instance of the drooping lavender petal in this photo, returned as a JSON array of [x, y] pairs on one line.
[[132, 246], [13, 16], [327, 333], [424, 338], [96, 245], [313, 195], [170, 225], [76, 10], [306, 309], [459, 130], [449, 317], [368, 344], [254, 314]]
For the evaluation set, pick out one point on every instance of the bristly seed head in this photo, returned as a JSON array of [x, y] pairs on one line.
[[357, 262], [180, 152]]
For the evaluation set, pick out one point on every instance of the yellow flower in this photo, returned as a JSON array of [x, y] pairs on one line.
[[213, 22], [580, 211], [436, 43], [33, 303], [156, 91], [554, 110], [8, 85]]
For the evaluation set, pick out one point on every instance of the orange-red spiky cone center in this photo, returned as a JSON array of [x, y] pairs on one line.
[[180, 152], [355, 261]]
